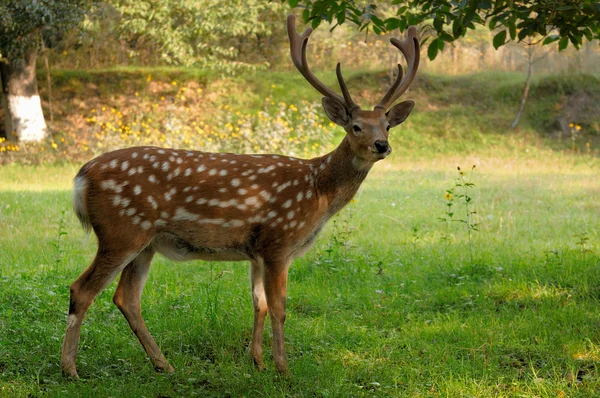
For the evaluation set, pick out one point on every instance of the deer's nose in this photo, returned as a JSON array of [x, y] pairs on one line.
[[382, 146]]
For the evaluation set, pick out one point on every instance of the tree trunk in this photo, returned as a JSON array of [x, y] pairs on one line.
[[526, 89], [23, 117]]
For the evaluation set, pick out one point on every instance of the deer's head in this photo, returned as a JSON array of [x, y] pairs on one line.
[[367, 130]]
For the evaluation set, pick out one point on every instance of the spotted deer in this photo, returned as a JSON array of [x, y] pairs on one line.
[[185, 204]]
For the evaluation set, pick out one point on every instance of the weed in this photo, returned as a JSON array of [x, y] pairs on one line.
[[582, 240], [460, 193], [59, 252]]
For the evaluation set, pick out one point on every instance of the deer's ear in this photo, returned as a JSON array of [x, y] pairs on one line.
[[336, 111], [399, 112]]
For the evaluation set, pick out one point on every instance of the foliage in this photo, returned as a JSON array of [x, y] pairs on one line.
[[526, 20], [23, 21], [165, 114], [207, 33]]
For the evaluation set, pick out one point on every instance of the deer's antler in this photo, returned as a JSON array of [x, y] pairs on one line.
[[298, 45], [410, 49]]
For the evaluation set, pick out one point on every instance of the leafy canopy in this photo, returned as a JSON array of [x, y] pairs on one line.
[[204, 33], [23, 21], [565, 21]]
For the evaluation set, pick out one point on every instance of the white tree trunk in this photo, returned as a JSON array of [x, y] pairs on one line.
[[23, 117]]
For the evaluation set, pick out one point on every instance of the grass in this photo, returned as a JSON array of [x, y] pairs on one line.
[[381, 306]]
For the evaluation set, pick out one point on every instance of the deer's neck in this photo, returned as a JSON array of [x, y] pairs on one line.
[[338, 176]]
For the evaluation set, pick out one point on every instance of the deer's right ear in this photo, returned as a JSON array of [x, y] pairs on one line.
[[336, 111]]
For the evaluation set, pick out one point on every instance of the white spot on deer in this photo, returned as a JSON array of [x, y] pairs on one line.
[[146, 224], [116, 200], [266, 169], [308, 194], [290, 215], [132, 171], [228, 203], [215, 221], [177, 171], [160, 223], [223, 172], [212, 172], [242, 191], [161, 151], [235, 182], [222, 190], [155, 165], [279, 164], [113, 163], [108, 184], [234, 223], [283, 186], [182, 214], [201, 201], [189, 199], [252, 201], [293, 224], [153, 202], [287, 204], [296, 182], [131, 211], [134, 155], [179, 160], [322, 166], [136, 220], [187, 189], [201, 168], [146, 156], [272, 214], [152, 178], [124, 165], [164, 214], [252, 178], [285, 227], [187, 172], [301, 224], [233, 161], [242, 207], [265, 195], [153, 158], [140, 169], [275, 156], [169, 195], [125, 202], [165, 166], [299, 196], [254, 186], [137, 190], [214, 202]]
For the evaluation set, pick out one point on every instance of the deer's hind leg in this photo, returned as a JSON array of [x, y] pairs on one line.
[[128, 299], [259, 301], [108, 262]]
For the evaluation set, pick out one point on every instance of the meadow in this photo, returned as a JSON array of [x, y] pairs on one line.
[[393, 300]]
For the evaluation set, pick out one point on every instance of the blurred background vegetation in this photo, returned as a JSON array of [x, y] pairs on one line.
[[217, 76]]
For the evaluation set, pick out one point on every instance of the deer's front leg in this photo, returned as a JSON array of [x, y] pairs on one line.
[[259, 301], [275, 283]]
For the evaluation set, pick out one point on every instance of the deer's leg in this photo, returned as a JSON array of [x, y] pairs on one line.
[[259, 301], [128, 299], [106, 265], [275, 283]]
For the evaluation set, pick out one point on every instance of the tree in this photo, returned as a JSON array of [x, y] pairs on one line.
[[554, 20], [22, 25], [528, 21], [204, 33]]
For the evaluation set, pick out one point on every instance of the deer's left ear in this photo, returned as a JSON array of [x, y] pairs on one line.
[[399, 112], [336, 111]]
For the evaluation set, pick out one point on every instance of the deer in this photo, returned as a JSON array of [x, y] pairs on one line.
[[190, 205]]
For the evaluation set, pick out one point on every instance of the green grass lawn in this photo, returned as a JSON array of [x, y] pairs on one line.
[[387, 303]]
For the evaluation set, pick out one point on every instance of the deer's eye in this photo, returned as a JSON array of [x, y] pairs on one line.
[[387, 128], [356, 129]]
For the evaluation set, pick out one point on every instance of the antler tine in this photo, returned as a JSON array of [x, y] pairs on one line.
[[298, 45], [344, 88], [410, 49]]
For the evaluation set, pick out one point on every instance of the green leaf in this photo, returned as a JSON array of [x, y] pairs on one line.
[[550, 39], [432, 50], [562, 44], [499, 39]]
